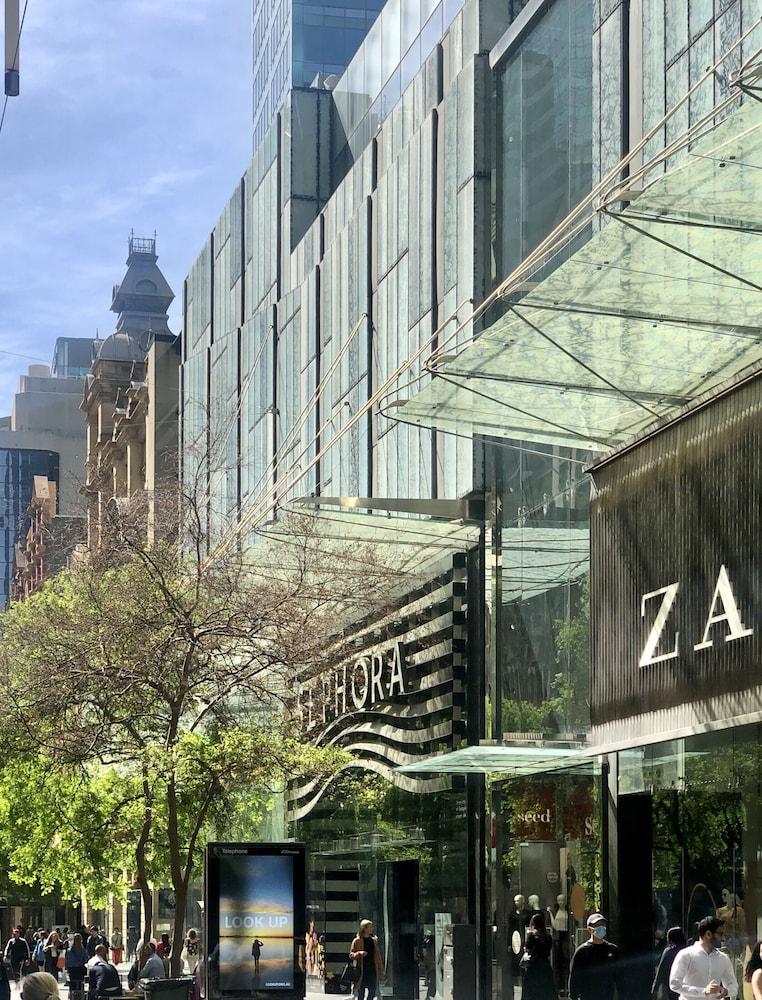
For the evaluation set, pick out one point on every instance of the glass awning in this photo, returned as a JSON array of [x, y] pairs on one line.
[[520, 761], [659, 307], [350, 551]]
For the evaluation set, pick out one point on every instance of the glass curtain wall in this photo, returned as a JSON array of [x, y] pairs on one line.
[[545, 129], [539, 589], [18, 467]]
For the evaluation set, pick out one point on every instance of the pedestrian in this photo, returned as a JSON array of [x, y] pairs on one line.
[[38, 954], [5, 986], [164, 946], [75, 963], [703, 967], [53, 949], [94, 938], [102, 977], [676, 941], [41, 986], [366, 954], [538, 982], [595, 973], [190, 950], [17, 954], [116, 946], [132, 942], [753, 971]]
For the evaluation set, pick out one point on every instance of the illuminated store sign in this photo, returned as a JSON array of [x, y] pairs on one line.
[[723, 609]]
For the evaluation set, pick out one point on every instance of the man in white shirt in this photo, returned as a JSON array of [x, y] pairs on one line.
[[154, 967], [703, 970]]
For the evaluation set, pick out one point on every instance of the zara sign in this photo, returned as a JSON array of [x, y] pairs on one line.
[[675, 573], [723, 611]]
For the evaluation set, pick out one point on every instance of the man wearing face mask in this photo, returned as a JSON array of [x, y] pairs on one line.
[[595, 968], [703, 970]]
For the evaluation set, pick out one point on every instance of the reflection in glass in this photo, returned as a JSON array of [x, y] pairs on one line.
[[541, 605], [390, 35], [545, 94], [706, 833]]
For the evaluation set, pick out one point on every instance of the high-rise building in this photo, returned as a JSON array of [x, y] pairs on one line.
[[295, 43], [513, 241], [19, 468]]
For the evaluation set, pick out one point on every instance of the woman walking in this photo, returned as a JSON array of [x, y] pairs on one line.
[[538, 976], [366, 954], [76, 962], [53, 948]]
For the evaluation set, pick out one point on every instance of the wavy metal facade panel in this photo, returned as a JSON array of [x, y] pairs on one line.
[[428, 631], [676, 588]]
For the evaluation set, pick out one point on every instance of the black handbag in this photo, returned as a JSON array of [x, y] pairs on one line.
[[350, 975]]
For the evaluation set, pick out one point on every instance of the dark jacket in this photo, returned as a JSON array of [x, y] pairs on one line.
[[660, 986], [92, 943], [103, 980], [17, 951], [594, 971]]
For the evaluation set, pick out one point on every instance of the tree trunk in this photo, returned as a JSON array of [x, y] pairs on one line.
[[140, 862], [178, 934], [147, 893]]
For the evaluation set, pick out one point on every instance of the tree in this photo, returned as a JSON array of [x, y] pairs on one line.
[[172, 674]]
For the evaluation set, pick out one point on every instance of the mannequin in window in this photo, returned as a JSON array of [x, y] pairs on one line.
[[534, 908], [517, 924], [559, 925]]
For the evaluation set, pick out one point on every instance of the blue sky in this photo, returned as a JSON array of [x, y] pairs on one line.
[[132, 114]]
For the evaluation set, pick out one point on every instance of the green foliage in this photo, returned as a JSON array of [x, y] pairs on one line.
[[144, 715], [571, 686], [524, 716]]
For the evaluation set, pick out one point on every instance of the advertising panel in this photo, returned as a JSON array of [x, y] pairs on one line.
[[254, 909]]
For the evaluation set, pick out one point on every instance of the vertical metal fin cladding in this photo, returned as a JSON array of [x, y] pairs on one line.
[[676, 519]]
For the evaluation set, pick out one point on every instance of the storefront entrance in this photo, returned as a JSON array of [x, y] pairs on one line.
[[689, 832], [546, 862]]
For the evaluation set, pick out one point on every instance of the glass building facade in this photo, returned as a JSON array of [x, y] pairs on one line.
[[371, 226], [296, 42], [18, 467]]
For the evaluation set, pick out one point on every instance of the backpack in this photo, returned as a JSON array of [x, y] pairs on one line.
[[39, 951]]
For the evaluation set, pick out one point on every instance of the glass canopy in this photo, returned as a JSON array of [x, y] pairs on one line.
[[658, 308], [500, 759]]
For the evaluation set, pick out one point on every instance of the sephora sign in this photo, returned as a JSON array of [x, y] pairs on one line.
[[370, 680]]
